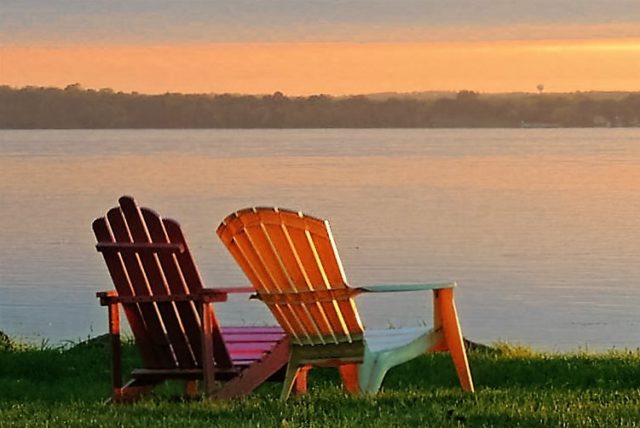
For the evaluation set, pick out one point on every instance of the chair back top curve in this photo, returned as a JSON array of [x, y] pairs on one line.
[[292, 262], [147, 255]]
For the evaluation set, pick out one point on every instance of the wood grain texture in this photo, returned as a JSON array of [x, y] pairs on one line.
[[170, 312]]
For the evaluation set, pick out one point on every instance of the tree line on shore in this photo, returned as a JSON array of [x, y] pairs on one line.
[[76, 108]]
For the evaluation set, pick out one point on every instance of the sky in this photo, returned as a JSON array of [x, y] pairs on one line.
[[338, 47]]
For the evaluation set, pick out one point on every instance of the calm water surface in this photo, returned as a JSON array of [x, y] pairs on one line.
[[541, 228]]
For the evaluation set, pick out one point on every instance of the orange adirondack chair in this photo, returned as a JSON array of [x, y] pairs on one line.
[[292, 262], [171, 315]]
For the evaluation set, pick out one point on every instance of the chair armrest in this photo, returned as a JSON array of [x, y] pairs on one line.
[[107, 297], [232, 290], [207, 295], [340, 294], [228, 290], [390, 288], [220, 294]]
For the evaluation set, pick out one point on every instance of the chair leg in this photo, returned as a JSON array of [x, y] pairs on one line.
[[453, 336], [440, 345], [300, 384], [365, 370], [349, 376], [208, 368], [292, 372], [132, 391], [379, 369], [371, 372], [116, 352], [191, 388]]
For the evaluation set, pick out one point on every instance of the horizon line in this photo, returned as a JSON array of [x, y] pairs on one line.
[[81, 87]]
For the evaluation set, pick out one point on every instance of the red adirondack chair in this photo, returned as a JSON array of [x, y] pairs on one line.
[[171, 314]]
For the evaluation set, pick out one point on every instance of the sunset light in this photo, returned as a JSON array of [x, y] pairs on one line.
[[333, 68], [169, 170]]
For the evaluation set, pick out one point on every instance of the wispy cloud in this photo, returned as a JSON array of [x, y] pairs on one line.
[[312, 46], [164, 21]]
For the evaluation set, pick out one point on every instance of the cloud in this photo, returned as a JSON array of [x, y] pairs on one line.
[[164, 21]]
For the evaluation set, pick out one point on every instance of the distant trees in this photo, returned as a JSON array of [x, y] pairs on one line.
[[74, 107], [73, 87]]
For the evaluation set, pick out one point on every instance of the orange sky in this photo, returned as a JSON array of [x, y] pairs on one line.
[[333, 68]]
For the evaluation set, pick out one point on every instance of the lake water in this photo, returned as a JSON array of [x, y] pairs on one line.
[[540, 228]]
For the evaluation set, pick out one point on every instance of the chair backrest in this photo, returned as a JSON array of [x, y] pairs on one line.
[[293, 264], [148, 256]]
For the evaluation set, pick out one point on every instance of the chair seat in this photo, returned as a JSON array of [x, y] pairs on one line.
[[247, 344], [389, 339]]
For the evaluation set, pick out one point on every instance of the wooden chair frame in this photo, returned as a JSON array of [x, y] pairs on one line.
[[292, 262], [172, 315], [363, 371]]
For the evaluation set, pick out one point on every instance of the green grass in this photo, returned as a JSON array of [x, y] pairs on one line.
[[515, 387]]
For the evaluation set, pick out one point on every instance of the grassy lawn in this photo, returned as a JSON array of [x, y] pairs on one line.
[[515, 387]]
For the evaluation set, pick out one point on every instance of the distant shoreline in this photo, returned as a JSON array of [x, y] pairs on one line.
[[76, 108], [337, 128]]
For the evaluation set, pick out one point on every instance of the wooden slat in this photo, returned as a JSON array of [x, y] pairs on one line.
[[236, 230], [394, 288], [140, 287], [232, 339], [157, 284], [279, 278], [227, 290], [341, 326], [327, 252], [135, 314], [272, 222], [123, 286], [249, 347], [309, 297], [282, 251], [327, 256], [193, 283], [151, 247], [178, 298], [239, 256], [330, 255], [187, 311], [244, 329], [265, 368], [247, 355], [303, 284], [243, 251], [305, 253], [245, 263], [296, 280], [269, 224], [243, 363]]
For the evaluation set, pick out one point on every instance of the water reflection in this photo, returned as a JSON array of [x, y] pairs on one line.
[[537, 226]]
